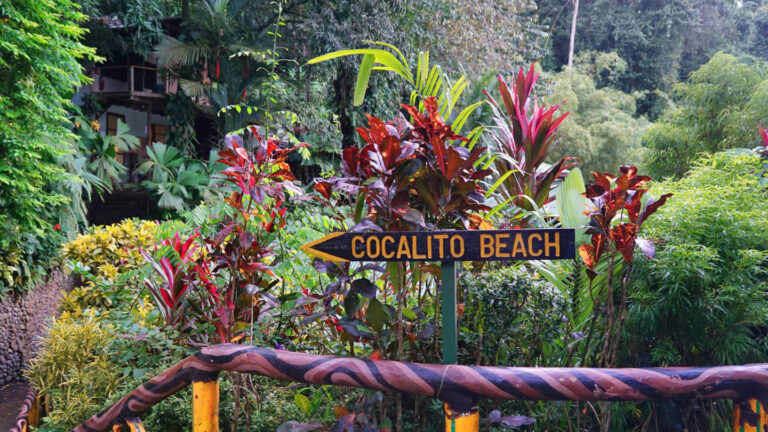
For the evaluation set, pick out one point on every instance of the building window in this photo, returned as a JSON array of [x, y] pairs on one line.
[[159, 133], [112, 122]]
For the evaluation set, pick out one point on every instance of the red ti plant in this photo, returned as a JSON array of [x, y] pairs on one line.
[[615, 220], [235, 270], [525, 135], [233, 267], [409, 175], [174, 270]]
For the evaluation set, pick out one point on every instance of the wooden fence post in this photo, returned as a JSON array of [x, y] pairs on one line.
[[34, 412], [461, 422], [750, 416], [205, 406]]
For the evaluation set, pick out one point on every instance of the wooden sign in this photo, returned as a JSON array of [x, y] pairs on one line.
[[469, 245]]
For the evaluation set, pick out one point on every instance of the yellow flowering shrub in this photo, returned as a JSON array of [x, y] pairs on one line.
[[112, 249]]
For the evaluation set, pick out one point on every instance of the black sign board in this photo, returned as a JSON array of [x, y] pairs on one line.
[[468, 245]]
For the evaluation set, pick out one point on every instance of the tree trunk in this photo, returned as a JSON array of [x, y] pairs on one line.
[[573, 31], [342, 96]]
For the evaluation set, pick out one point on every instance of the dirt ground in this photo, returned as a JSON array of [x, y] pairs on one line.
[[11, 398]]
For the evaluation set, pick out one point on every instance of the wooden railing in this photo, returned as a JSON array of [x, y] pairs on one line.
[[30, 412], [460, 387]]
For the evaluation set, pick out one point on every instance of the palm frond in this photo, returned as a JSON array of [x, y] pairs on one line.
[[191, 88], [172, 52]]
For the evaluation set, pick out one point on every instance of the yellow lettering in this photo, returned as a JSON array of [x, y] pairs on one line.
[[519, 246], [402, 248], [555, 244], [384, 241], [486, 245], [500, 244], [441, 238], [530, 244], [457, 246], [356, 239], [369, 249], [429, 247], [414, 247]]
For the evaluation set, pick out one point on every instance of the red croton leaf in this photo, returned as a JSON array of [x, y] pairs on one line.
[[634, 181], [378, 129], [614, 202], [324, 188], [628, 170], [603, 179], [587, 254], [235, 200], [624, 236], [627, 197], [390, 151], [594, 191], [650, 208], [410, 215], [351, 158], [255, 267], [622, 184], [634, 205], [454, 163], [283, 174]]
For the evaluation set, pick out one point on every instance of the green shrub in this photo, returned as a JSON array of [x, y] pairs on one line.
[[510, 318], [513, 318], [701, 299], [74, 370]]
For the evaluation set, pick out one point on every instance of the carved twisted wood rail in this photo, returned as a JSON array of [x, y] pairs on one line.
[[459, 386], [28, 414]]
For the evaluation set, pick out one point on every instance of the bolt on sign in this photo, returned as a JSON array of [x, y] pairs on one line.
[[470, 245]]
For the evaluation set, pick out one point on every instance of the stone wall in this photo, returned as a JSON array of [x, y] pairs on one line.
[[23, 320]]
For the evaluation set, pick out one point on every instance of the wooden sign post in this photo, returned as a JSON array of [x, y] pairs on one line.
[[448, 247]]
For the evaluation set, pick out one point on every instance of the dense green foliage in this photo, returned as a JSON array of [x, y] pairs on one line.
[[721, 105], [758, 39], [140, 15], [39, 67], [602, 129], [268, 75], [700, 300], [661, 41]]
